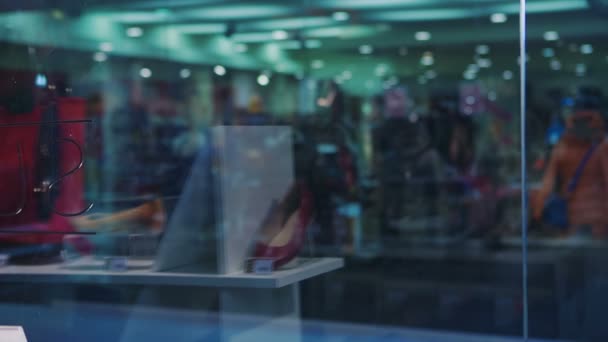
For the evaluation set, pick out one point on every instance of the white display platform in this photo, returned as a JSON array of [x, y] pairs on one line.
[[274, 297], [12, 334], [140, 272]]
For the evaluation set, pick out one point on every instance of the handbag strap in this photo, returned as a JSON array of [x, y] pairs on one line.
[[581, 167]]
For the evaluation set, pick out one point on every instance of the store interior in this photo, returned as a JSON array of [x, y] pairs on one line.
[[390, 130]]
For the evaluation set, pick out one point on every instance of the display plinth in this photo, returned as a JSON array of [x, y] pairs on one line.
[[273, 297], [140, 272]]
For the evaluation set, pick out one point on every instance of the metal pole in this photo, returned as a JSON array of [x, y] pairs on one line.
[[524, 181]]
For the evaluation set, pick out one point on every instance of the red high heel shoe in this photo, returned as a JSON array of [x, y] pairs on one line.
[[285, 243]]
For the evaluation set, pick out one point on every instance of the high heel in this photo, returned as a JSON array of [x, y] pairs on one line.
[[290, 234]]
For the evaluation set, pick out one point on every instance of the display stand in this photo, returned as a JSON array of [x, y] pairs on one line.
[[233, 184]]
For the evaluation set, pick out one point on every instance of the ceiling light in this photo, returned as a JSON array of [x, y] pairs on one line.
[[484, 62], [422, 80], [427, 59], [492, 96], [106, 47], [279, 35], [219, 70], [263, 80], [580, 69], [204, 28], [548, 52], [519, 59], [473, 67], [469, 75], [312, 44], [341, 16], [134, 32], [586, 49], [498, 18], [100, 57], [381, 70], [317, 64], [185, 73], [41, 81], [240, 47], [145, 73], [291, 45], [482, 49], [423, 36], [403, 51], [551, 36], [347, 75], [507, 75], [366, 49], [430, 74], [555, 65]]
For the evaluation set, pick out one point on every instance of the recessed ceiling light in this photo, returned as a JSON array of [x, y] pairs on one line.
[[492, 96], [366, 49], [279, 35], [551, 36], [498, 18], [423, 36], [219, 70], [185, 73], [145, 73], [482, 49], [427, 59], [263, 80], [317, 64], [580, 69], [473, 67], [240, 47], [341, 16], [134, 32], [100, 57], [586, 49], [381, 70], [548, 52], [106, 47], [507, 75], [484, 62], [555, 65], [347, 75], [430, 74], [469, 75], [312, 44]]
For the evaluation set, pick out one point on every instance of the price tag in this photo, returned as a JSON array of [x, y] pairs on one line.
[[116, 264], [261, 266], [12, 334], [4, 258]]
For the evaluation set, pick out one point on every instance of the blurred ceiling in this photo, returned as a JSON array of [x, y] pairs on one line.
[[357, 41]]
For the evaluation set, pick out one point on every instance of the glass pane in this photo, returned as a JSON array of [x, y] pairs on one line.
[[566, 110], [312, 170]]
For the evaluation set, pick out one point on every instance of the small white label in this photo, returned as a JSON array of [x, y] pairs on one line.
[[12, 334], [262, 266], [4, 259], [116, 264]]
